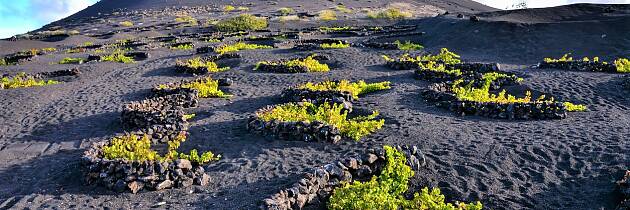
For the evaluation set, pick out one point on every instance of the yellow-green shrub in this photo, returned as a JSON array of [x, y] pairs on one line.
[[444, 57], [206, 87], [390, 13], [126, 23], [386, 191], [22, 80], [574, 107], [182, 47], [117, 56], [191, 21], [333, 115], [311, 64], [354, 88], [284, 11], [408, 45], [327, 15], [343, 9], [244, 22], [228, 8], [469, 93], [433, 66], [339, 45], [131, 147], [325, 28], [623, 65], [197, 62], [72, 61], [238, 47]]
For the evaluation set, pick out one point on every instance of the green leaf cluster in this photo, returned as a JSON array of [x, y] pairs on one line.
[[387, 191], [126, 24], [244, 22], [72, 61], [117, 56], [22, 80], [408, 45], [197, 62], [333, 115], [311, 64], [354, 88], [482, 94], [238, 47], [339, 45], [134, 148]]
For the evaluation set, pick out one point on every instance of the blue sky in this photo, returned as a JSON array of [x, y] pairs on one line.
[[21, 16]]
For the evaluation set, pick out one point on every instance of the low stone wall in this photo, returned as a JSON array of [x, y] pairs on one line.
[[476, 67], [123, 175], [624, 187], [162, 117], [579, 66], [402, 65], [318, 97], [294, 131], [317, 185], [182, 44], [138, 55], [60, 73], [440, 95], [314, 44]]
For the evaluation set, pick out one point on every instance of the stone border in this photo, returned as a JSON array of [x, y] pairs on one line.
[[317, 185], [123, 175], [318, 97], [314, 44], [624, 188], [441, 96], [579, 66], [162, 118]]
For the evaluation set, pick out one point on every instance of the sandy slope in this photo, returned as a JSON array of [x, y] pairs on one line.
[[564, 164]]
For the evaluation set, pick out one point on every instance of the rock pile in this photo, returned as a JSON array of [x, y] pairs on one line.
[[123, 175], [442, 97], [314, 44], [579, 66], [316, 186]]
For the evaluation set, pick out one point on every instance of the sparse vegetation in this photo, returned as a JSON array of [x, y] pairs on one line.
[[284, 11], [327, 15], [387, 191], [239, 46], [408, 45], [244, 22], [72, 61], [326, 29], [389, 13], [310, 63], [575, 107], [197, 62], [331, 114], [182, 47], [433, 66], [343, 9], [228, 8], [118, 56], [242, 8], [134, 148], [189, 20], [289, 18], [354, 88], [22, 80], [339, 45], [126, 24], [469, 93]]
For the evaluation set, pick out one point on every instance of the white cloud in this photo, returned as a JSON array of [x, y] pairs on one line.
[[52, 10]]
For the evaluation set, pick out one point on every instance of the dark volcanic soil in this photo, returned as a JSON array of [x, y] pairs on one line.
[[560, 164]]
